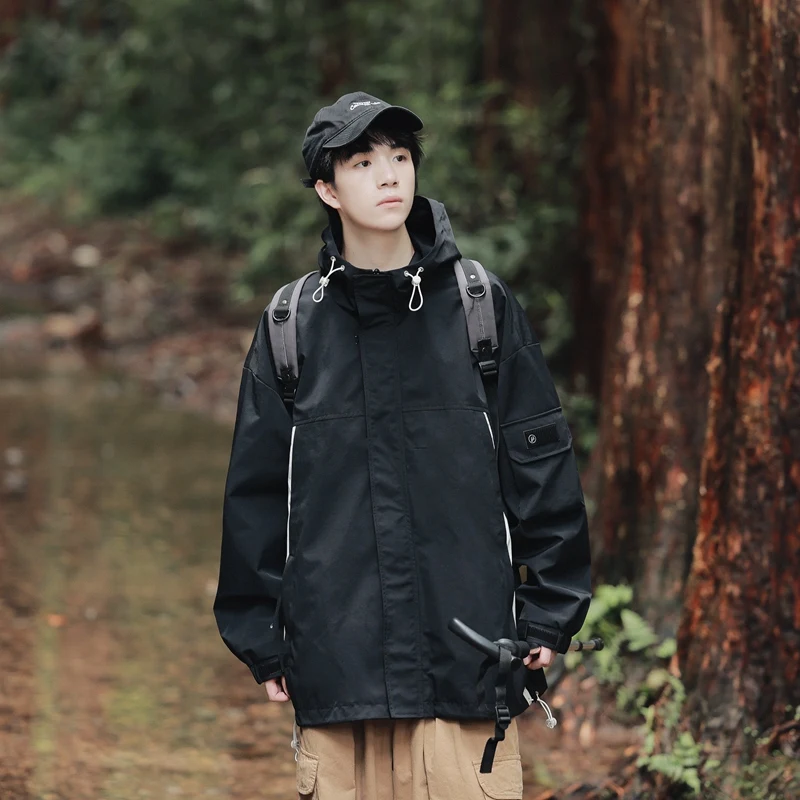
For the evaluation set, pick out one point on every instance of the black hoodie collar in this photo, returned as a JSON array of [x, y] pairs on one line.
[[428, 228]]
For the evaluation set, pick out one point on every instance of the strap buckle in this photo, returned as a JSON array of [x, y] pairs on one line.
[[488, 368], [289, 385], [503, 716], [486, 361]]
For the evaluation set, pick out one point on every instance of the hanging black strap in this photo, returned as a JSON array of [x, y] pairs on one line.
[[501, 711], [282, 320]]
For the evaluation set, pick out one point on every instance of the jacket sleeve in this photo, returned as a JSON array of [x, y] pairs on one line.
[[254, 512], [541, 489]]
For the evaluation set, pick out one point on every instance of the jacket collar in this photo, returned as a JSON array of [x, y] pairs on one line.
[[428, 228]]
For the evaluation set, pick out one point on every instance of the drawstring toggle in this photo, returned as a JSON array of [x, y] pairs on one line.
[[416, 289], [325, 280]]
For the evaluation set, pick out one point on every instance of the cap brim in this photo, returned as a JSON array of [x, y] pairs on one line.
[[406, 120]]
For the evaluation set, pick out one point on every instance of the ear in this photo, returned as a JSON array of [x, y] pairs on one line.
[[327, 194]]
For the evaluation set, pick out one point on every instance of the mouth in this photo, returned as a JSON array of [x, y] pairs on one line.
[[391, 201]]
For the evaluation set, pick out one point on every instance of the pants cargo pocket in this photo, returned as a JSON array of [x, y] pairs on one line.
[[306, 773], [504, 782]]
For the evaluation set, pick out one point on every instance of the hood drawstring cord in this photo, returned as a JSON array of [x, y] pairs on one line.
[[325, 280], [416, 288]]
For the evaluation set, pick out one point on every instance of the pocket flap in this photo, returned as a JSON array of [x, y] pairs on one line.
[[538, 436], [504, 782], [306, 772]]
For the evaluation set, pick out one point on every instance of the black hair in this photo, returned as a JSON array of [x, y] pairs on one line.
[[375, 134]]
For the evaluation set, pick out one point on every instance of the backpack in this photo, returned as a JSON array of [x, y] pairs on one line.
[[476, 300]]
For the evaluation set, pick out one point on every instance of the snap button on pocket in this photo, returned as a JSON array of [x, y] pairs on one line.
[[504, 782], [306, 773]]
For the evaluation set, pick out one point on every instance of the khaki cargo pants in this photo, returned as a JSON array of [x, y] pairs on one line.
[[406, 759]]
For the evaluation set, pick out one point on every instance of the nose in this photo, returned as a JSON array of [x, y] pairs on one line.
[[388, 173]]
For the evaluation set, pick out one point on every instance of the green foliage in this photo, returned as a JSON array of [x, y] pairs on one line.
[[603, 620], [191, 113], [627, 635], [680, 765], [171, 105], [776, 777]]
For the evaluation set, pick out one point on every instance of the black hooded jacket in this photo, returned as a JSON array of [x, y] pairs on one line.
[[357, 526]]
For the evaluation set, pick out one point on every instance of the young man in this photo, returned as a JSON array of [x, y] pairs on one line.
[[401, 488]]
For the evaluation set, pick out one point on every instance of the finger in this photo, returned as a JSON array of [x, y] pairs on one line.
[[277, 695], [545, 659], [274, 691], [539, 662], [532, 655]]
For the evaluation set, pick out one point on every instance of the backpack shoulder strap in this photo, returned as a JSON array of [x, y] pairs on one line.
[[282, 320], [476, 297]]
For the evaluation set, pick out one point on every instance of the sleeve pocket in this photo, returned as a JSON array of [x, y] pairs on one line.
[[537, 437]]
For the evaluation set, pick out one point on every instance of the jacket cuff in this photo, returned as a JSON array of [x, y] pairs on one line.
[[267, 670], [543, 635]]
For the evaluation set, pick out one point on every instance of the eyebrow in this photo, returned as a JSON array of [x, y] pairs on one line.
[[372, 149]]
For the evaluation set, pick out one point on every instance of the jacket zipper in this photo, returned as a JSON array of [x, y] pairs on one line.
[[505, 524]]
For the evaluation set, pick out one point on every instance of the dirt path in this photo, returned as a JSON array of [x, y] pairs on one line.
[[115, 682]]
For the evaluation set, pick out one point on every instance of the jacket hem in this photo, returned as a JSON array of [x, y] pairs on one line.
[[310, 717]]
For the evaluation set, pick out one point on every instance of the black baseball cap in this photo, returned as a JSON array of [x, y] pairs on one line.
[[345, 120]]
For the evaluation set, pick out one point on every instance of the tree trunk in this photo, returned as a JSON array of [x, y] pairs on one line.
[[658, 214], [739, 639]]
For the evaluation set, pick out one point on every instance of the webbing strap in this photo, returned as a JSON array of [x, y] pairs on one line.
[[476, 297], [502, 713], [282, 321]]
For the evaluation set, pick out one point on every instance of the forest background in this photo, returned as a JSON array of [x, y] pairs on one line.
[[631, 169]]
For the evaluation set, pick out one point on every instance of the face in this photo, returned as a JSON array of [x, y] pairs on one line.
[[373, 190]]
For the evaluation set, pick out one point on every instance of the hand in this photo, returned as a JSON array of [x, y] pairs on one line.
[[540, 657], [276, 689]]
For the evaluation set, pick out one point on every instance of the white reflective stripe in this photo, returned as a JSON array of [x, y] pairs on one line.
[[505, 524], [489, 426], [289, 500], [289, 492], [511, 560]]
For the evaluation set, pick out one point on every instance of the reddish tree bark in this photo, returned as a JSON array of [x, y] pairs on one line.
[[659, 178], [739, 639]]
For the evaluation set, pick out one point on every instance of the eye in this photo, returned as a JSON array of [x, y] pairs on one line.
[[359, 163], [402, 156]]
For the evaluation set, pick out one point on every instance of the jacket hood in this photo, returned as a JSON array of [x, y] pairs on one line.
[[428, 227]]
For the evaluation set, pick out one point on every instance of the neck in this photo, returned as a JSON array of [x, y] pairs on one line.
[[370, 249]]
